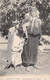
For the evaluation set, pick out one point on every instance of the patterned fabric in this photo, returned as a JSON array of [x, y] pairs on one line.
[[16, 58], [17, 49], [18, 43]]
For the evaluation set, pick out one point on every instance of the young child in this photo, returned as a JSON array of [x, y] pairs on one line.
[[17, 47]]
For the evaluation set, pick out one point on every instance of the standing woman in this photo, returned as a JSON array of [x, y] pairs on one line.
[[30, 51]]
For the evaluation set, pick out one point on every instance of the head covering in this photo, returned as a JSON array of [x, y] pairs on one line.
[[34, 12]]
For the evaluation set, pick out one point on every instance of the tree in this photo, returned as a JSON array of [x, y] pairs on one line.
[[12, 9], [44, 9]]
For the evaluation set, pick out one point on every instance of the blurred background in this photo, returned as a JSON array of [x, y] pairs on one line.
[[9, 10]]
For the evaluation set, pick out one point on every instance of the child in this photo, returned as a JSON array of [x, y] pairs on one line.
[[17, 47]]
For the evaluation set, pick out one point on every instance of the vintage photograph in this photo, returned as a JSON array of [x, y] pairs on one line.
[[24, 37]]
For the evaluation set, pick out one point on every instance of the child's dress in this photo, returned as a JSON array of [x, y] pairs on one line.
[[17, 49]]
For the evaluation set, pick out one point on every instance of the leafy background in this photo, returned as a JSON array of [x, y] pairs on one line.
[[12, 9]]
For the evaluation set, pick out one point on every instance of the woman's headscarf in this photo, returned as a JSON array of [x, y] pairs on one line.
[[34, 12]]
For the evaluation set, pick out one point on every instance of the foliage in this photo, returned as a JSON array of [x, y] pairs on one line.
[[44, 9], [12, 9]]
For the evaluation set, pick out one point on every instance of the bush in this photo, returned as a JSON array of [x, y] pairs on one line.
[[10, 11]]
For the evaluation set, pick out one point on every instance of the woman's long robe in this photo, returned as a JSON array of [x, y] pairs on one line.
[[30, 51]]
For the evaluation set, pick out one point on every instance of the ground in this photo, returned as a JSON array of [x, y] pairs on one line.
[[43, 61]]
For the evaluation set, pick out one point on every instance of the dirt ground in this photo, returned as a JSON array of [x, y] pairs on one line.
[[43, 61]]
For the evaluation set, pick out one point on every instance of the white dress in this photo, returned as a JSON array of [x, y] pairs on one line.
[[17, 49]]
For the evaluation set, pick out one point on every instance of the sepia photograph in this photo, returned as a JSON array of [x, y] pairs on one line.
[[24, 38]]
